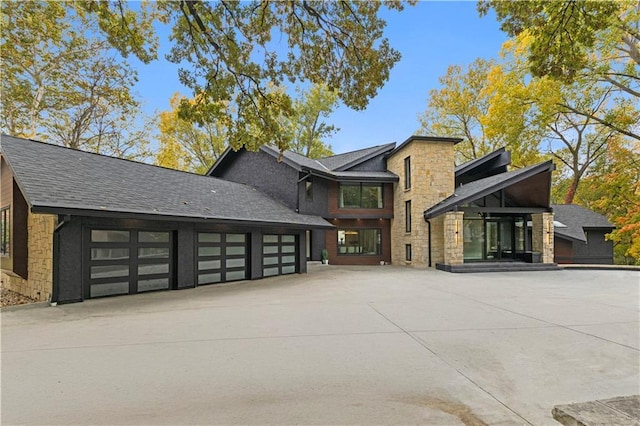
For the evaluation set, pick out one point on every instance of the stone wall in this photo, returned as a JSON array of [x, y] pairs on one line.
[[453, 238], [542, 236], [432, 180], [39, 284]]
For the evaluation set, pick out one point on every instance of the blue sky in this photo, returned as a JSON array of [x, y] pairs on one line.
[[430, 36]]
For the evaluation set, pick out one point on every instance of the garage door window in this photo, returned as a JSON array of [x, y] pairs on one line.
[[278, 254], [128, 261], [221, 257]]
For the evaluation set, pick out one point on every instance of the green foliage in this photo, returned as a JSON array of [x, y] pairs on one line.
[[488, 106], [307, 123], [63, 84], [613, 189], [232, 52], [563, 31], [187, 146]]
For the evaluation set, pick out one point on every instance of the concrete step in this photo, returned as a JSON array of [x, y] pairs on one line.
[[497, 267]]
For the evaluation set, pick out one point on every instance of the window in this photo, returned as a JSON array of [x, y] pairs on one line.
[[308, 190], [359, 242], [407, 173], [5, 231], [360, 196], [407, 252], [407, 216]]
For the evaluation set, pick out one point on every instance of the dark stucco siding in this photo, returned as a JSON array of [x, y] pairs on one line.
[[597, 249], [68, 262], [375, 164], [263, 172], [318, 204]]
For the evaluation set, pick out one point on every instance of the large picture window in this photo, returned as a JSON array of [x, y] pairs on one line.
[[361, 196], [359, 242], [5, 231]]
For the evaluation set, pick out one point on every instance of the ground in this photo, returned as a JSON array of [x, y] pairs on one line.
[[340, 345], [11, 298]]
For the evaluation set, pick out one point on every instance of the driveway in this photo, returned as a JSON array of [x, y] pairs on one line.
[[340, 345]]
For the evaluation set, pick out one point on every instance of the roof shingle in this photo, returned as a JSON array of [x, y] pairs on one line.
[[55, 178]]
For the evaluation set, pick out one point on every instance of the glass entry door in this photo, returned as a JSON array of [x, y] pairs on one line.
[[499, 238]]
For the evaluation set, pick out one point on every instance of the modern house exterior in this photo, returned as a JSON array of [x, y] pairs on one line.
[[408, 204], [580, 236], [77, 225]]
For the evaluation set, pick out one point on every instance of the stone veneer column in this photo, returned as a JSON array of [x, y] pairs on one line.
[[40, 266], [453, 238], [542, 236], [432, 180]]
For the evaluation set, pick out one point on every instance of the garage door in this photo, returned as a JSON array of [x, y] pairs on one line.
[[222, 257], [128, 262], [279, 254]]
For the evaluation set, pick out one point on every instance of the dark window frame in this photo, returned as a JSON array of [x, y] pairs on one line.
[[356, 252], [361, 185], [308, 189], [407, 252], [407, 173], [407, 216], [5, 231]]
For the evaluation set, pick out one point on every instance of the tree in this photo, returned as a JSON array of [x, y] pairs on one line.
[[613, 189], [231, 51], [488, 106], [60, 84], [593, 41], [307, 123], [188, 146]]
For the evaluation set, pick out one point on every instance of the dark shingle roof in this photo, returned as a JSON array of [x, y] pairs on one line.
[[341, 162], [316, 167], [576, 219], [61, 180], [482, 187]]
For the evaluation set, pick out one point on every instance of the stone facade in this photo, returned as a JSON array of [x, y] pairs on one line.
[[39, 283], [432, 180], [542, 236], [453, 238]]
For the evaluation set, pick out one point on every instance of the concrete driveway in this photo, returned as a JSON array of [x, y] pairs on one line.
[[340, 345]]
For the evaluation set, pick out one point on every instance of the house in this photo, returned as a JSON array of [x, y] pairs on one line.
[[408, 204], [77, 225], [580, 235]]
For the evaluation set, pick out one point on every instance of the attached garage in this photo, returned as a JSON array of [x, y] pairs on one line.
[[123, 227]]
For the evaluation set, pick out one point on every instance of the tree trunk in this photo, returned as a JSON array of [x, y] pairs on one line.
[[571, 192]]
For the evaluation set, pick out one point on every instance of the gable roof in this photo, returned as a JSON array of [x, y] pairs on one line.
[[418, 138], [59, 180], [479, 188], [317, 167], [347, 160], [573, 220]]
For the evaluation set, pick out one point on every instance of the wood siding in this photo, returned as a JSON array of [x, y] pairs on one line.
[[336, 212]]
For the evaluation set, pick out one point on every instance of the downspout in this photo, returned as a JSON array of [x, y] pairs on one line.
[[63, 220], [429, 239]]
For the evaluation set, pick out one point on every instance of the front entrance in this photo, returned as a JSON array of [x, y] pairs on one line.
[[493, 238]]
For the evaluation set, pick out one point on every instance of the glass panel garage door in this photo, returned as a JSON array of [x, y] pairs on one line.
[[278, 254], [221, 257], [128, 261]]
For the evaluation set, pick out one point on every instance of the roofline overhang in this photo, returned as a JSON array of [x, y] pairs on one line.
[[141, 215], [469, 165], [15, 177], [337, 178], [546, 167], [423, 139], [568, 237], [219, 161]]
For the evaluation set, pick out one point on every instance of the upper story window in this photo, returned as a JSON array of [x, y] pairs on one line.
[[308, 190], [407, 173], [360, 196], [5, 231], [407, 216]]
